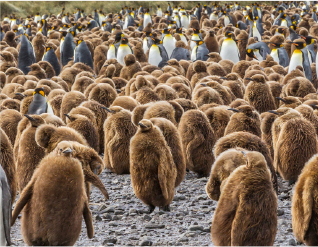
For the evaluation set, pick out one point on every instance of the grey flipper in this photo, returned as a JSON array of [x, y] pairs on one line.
[[83, 55], [116, 47], [164, 56], [293, 35], [149, 42], [262, 47], [277, 20], [67, 51], [259, 27], [306, 65], [312, 52], [250, 34], [180, 53], [51, 58], [6, 204], [26, 55], [202, 53], [283, 57], [38, 105]]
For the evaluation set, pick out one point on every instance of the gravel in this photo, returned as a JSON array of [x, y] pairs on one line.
[[123, 219]]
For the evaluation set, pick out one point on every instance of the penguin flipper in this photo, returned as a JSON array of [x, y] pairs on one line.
[[283, 57], [6, 205], [306, 66]]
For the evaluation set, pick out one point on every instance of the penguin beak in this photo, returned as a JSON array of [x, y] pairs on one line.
[[107, 109], [68, 150], [105, 65], [20, 94], [232, 109], [275, 112], [118, 90], [224, 78], [30, 118], [281, 99], [68, 116], [204, 85], [314, 106], [142, 126], [249, 79]]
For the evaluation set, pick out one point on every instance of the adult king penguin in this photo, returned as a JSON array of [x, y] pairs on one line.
[[50, 57], [195, 36], [300, 57], [123, 50], [26, 55], [39, 104], [67, 48], [158, 55], [256, 28], [5, 209], [82, 54], [258, 50], [229, 49], [168, 41], [183, 38], [147, 18], [112, 51], [200, 51], [279, 54]]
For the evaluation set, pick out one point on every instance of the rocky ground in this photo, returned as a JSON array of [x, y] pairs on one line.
[[123, 220]]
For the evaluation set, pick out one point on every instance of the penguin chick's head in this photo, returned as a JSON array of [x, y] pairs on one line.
[[64, 148], [229, 34], [309, 40], [35, 120], [299, 43], [258, 78], [113, 109], [39, 91], [145, 125]]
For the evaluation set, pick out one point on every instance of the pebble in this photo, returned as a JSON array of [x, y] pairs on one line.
[[112, 240], [280, 212], [107, 216], [147, 217], [195, 228], [98, 218], [145, 241], [152, 226], [292, 242]]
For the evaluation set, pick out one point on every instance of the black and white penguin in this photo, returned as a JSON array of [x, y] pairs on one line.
[[123, 50], [183, 38], [82, 54], [5, 209], [67, 47], [200, 51], [279, 54], [158, 55], [26, 55], [184, 20], [147, 18], [159, 11], [256, 27], [300, 58], [258, 50], [91, 24], [168, 41], [229, 49], [195, 36], [40, 104], [310, 48], [112, 50], [50, 57]]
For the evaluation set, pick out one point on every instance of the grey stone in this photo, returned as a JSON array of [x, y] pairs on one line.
[[183, 239], [117, 217], [153, 226], [147, 217], [107, 216], [195, 228], [132, 211], [98, 218], [292, 242], [145, 241], [280, 212], [108, 210], [119, 212], [112, 240], [114, 223]]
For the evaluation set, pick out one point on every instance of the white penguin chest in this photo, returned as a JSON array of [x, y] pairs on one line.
[[296, 59], [123, 50], [226, 21], [111, 53], [284, 23], [274, 55], [256, 32], [145, 45], [184, 22], [147, 19], [183, 38], [194, 37], [229, 50], [194, 53], [169, 43], [154, 55], [258, 55]]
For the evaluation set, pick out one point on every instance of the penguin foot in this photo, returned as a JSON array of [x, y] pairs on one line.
[[151, 209], [165, 208]]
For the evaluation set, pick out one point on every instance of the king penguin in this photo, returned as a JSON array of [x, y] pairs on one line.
[[67, 48], [183, 38], [82, 54], [184, 20], [279, 54], [168, 41], [112, 51], [200, 51], [39, 104], [256, 27], [5, 209], [258, 50], [158, 55], [123, 50], [147, 18], [300, 57], [195, 36], [26, 55], [50, 57], [310, 48], [229, 49], [147, 41], [159, 11]]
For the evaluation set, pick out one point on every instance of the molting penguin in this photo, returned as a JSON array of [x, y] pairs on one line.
[[158, 55], [300, 57], [50, 57], [5, 209], [123, 50], [26, 55], [200, 52], [258, 50], [229, 49], [168, 41], [39, 104], [82, 54]]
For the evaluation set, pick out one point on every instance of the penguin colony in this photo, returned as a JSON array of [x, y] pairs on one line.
[[226, 91]]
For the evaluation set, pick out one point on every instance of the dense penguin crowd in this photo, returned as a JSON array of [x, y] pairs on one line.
[[223, 91]]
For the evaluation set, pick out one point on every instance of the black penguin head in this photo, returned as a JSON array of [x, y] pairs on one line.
[[309, 40], [229, 34], [300, 44], [179, 30], [197, 31], [118, 37], [148, 34], [250, 53], [124, 41], [79, 41], [40, 91], [281, 30], [198, 42], [156, 41], [276, 45], [166, 31]]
